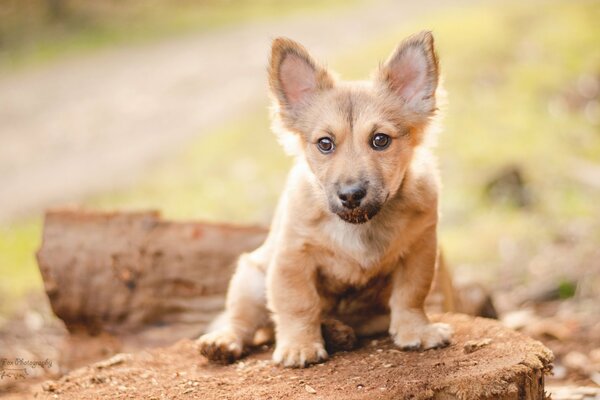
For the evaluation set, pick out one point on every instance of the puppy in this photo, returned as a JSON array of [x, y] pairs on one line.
[[354, 234]]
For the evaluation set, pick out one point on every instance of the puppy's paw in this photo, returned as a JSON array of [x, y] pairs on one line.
[[299, 355], [222, 346], [428, 336]]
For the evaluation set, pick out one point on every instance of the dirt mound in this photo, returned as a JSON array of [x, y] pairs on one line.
[[485, 360]]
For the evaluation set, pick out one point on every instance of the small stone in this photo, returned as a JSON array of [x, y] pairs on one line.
[[310, 389], [388, 365], [559, 371], [474, 345], [49, 386], [595, 376], [595, 355], [576, 361], [114, 360], [518, 319]]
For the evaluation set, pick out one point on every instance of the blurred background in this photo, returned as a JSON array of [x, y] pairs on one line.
[[163, 105]]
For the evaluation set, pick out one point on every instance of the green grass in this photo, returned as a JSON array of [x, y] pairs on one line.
[[505, 67], [18, 268], [31, 34]]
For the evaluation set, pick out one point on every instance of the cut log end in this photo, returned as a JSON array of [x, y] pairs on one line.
[[503, 365]]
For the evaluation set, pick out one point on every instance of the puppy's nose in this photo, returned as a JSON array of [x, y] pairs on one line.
[[352, 195]]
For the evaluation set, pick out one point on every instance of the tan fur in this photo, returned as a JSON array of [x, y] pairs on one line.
[[370, 267]]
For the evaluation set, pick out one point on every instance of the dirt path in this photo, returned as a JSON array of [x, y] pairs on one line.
[[86, 125]]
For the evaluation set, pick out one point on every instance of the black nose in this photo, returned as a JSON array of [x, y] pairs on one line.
[[351, 195]]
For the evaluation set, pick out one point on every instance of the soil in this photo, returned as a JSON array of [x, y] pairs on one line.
[[482, 358]]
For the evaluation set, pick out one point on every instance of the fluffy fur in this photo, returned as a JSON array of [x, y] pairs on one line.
[[370, 266]]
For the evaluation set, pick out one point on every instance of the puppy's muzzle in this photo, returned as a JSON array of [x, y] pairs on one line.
[[353, 205], [352, 195]]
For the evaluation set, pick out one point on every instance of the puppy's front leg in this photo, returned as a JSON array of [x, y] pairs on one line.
[[409, 326], [296, 307], [245, 312]]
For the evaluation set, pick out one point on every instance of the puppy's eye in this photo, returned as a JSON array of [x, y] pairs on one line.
[[380, 141], [325, 145]]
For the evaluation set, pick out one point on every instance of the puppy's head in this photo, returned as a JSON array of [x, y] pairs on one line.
[[357, 137]]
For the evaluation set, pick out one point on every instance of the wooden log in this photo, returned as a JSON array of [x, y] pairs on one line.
[[484, 361], [127, 272], [134, 281], [149, 281]]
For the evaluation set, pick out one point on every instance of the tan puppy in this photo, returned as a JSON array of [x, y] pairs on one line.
[[354, 234]]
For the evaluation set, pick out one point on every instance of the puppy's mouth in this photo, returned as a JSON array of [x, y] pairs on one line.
[[358, 215]]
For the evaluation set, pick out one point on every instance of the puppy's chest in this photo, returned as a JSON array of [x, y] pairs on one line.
[[354, 254]]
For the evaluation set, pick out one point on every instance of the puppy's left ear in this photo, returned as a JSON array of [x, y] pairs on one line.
[[412, 73], [294, 76]]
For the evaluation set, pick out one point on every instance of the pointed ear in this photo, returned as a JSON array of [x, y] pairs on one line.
[[412, 72], [294, 76]]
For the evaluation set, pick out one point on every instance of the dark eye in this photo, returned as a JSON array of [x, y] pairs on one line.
[[380, 141], [325, 145]]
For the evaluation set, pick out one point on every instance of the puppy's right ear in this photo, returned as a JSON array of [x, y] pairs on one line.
[[294, 76]]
